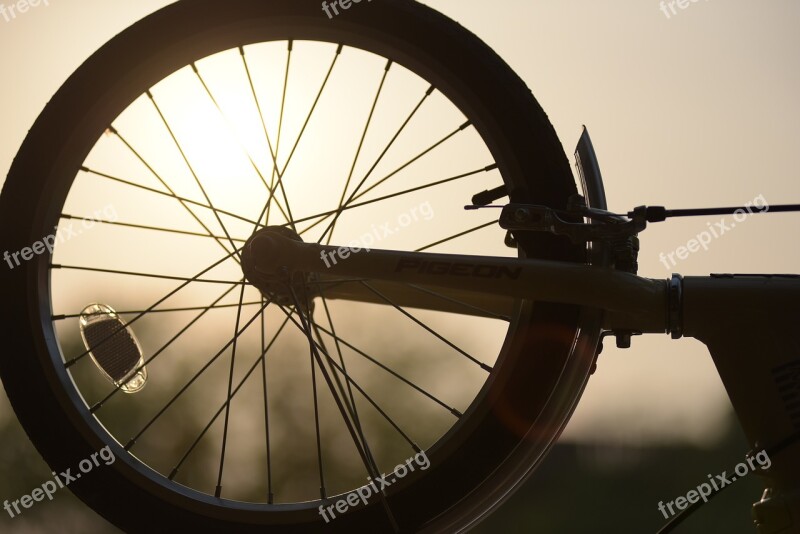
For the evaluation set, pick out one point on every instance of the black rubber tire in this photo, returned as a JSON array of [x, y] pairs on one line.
[[481, 461]]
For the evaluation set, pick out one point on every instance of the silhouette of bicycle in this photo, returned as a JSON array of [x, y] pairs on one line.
[[244, 381]]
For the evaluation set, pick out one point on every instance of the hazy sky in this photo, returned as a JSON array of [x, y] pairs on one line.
[[697, 109]]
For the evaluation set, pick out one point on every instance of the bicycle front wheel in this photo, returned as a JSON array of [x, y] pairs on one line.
[[233, 411]]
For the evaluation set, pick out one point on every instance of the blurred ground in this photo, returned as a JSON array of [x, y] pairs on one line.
[[580, 488]]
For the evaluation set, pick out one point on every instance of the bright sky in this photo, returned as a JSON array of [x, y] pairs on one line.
[[695, 109]]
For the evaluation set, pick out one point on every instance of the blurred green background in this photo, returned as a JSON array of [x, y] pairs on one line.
[[579, 488]]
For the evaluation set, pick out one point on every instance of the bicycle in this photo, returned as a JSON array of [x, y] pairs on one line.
[[107, 141]]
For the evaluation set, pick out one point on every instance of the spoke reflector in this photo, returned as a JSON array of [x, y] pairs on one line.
[[113, 347]]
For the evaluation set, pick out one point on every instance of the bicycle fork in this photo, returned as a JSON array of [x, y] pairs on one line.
[[747, 322]]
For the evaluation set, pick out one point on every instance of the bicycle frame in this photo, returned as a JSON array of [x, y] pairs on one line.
[[746, 321]]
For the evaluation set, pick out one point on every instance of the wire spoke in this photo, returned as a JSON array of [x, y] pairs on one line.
[[273, 152], [76, 359], [275, 172], [391, 372], [314, 348], [145, 275], [415, 159], [191, 381], [190, 167], [386, 149], [322, 490], [171, 195], [349, 394], [341, 358], [360, 147], [352, 381], [346, 399], [389, 145], [322, 216], [372, 469], [146, 227], [163, 182], [208, 426], [313, 355], [427, 328], [264, 349], [455, 236], [300, 135], [232, 131], [164, 347], [165, 310], [218, 491]]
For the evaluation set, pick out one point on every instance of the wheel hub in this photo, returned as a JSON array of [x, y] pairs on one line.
[[276, 282]]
